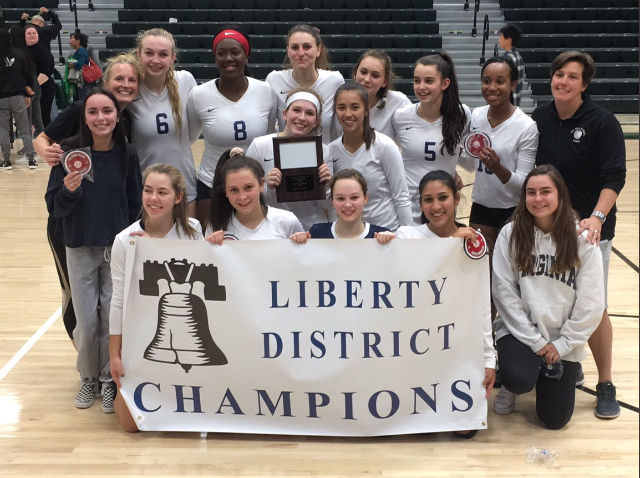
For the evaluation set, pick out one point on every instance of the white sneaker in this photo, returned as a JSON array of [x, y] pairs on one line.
[[21, 160], [504, 402]]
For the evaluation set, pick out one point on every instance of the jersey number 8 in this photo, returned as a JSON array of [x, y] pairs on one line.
[[240, 129]]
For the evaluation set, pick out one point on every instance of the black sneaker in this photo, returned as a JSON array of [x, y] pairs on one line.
[[607, 406], [20, 151], [33, 164], [579, 376], [6, 165]]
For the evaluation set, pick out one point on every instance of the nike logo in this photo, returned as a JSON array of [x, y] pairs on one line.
[[228, 33], [209, 110], [283, 92], [268, 159], [475, 128], [409, 127], [335, 160]]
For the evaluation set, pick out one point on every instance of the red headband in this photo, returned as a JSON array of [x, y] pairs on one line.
[[234, 35]]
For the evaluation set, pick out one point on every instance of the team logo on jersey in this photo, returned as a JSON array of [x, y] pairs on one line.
[[578, 134], [209, 110], [267, 159], [409, 127], [283, 92], [335, 160], [475, 249]]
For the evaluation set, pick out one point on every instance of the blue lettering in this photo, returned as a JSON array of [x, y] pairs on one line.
[[426, 398], [396, 343], [303, 293], [446, 334], [465, 397], [373, 404], [371, 346], [348, 405], [314, 405], [137, 397], [296, 345], [274, 296], [232, 402], [377, 295], [263, 396], [343, 342], [180, 399], [436, 291], [322, 292], [410, 284], [414, 339], [352, 294], [267, 343], [318, 344]]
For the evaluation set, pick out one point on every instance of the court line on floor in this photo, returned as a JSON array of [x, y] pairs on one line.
[[625, 259], [29, 343], [622, 404]]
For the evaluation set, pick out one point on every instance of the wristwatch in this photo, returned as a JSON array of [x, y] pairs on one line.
[[599, 215]]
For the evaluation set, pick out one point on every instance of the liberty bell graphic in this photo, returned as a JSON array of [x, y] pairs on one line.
[[183, 335]]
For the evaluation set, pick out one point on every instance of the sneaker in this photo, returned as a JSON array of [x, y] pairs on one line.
[[505, 402], [108, 396], [579, 376], [20, 151], [33, 164], [607, 405], [85, 396], [6, 165], [22, 160]]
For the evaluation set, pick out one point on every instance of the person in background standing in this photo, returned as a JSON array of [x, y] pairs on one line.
[[509, 37]]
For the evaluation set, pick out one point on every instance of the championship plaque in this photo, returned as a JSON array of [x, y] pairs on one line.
[[298, 159]]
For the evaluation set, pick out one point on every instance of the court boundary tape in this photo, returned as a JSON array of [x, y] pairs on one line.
[[13, 361], [622, 404], [625, 259]]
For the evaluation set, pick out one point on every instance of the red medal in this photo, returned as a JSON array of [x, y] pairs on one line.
[[476, 142], [77, 162], [476, 249]]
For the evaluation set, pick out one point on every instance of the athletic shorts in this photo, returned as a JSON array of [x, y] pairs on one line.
[[202, 191], [490, 216]]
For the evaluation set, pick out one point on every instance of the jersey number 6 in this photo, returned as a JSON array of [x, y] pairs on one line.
[[162, 127]]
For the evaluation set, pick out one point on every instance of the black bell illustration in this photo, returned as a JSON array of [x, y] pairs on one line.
[[183, 335]]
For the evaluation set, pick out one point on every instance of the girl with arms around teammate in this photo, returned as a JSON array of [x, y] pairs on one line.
[[307, 66], [349, 196], [548, 287], [501, 168], [373, 154], [160, 131], [438, 200], [302, 116], [164, 216], [231, 110], [93, 212], [238, 211], [430, 132], [373, 71]]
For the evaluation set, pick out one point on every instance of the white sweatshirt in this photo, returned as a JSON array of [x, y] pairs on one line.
[[562, 309]]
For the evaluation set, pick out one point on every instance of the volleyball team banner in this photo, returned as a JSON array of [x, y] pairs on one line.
[[342, 338]]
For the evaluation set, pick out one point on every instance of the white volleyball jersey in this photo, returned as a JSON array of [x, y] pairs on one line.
[[516, 143], [278, 224], [153, 131], [328, 82], [381, 165], [307, 212], [227, 124], [421, 142], [381, 119], [416, 232]]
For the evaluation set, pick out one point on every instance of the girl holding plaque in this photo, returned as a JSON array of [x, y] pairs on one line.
[[238, 211], [230, 110], [160, 130], [93, 212], [438, 200], [375, 155], [430, 133], [506, 142], [548, 288], [303, 117], [164, 216], [307, 66]]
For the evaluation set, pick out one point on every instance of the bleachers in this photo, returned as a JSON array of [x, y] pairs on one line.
[[606, 29]]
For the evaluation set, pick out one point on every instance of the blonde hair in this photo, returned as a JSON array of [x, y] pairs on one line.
[[170, 79], [318, 129], [122, 59]]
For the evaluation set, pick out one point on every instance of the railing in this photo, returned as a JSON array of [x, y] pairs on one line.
[[485, 37], [474, 30]]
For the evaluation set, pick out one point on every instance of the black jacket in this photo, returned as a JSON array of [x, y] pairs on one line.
[[589, 151], [47, 32]]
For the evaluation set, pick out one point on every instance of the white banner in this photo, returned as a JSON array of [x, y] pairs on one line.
[[343, 338]]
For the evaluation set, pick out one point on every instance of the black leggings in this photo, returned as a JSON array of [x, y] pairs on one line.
[[520, 372], [60, 257], [46, 100]]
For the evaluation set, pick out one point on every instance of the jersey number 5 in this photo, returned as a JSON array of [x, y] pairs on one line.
[[429, 154], [161, 126]]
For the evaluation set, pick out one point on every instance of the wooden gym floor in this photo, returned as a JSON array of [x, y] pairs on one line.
[[43, 434]]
